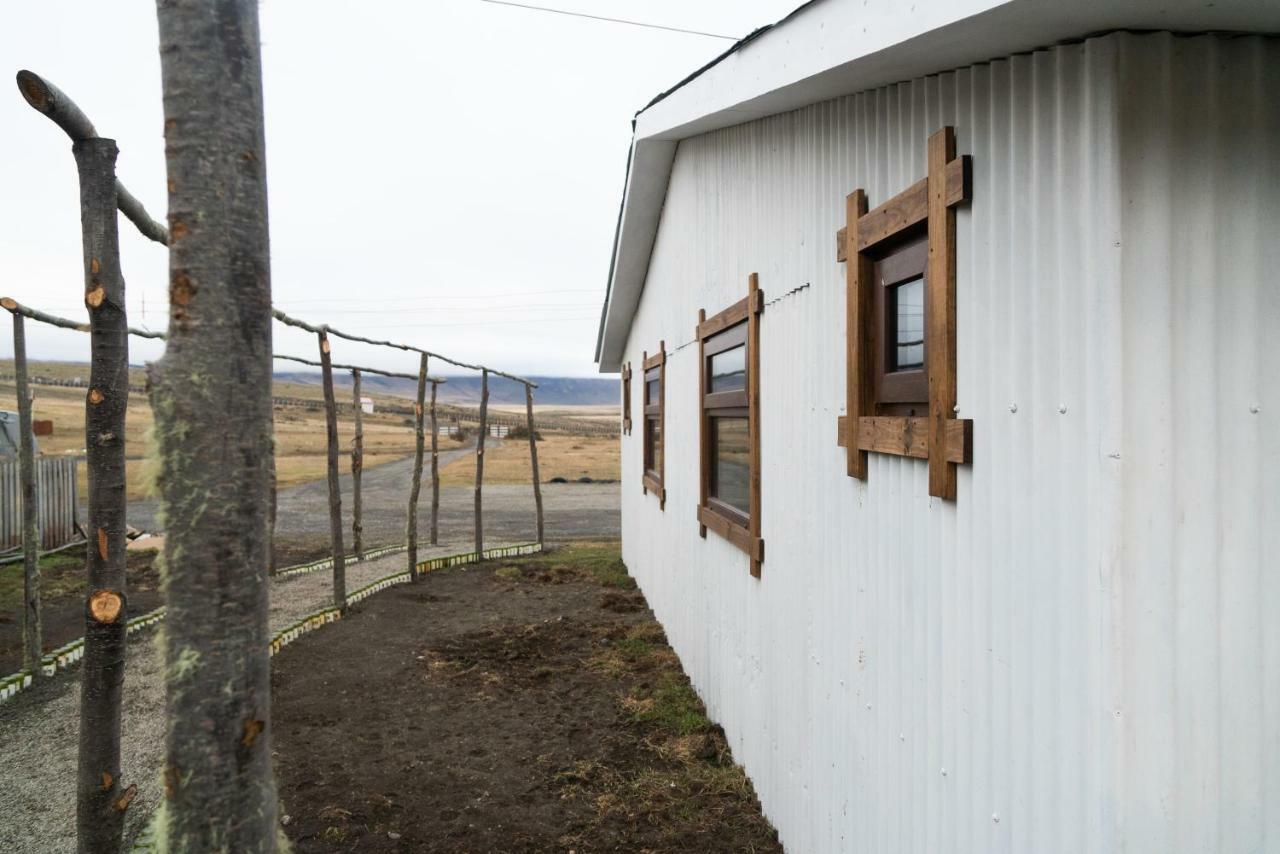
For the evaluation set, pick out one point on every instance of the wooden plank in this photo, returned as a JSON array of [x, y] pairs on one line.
[[940, 312], [735, 313], [959, 437], [662, 420], [655, 360], [737, 535], [753, 413], [905, 437], [704, 442], [652, 484], [859, 333], [911, 206]]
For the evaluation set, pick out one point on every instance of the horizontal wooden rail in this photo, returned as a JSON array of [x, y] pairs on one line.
[[359, 368], [310, 327]]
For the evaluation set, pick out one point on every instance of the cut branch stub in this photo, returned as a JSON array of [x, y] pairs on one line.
[[122, 803], [95, 396], [105, 606], [94, 298]]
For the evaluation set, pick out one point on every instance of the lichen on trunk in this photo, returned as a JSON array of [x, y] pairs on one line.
[[211, 394]]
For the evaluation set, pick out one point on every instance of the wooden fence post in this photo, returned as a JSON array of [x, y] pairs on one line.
[[435, 471], [357, 466], [484, 428], [32, 631], [335, 487], [99, 814], [415, 487], [220, 793], [533, 457]]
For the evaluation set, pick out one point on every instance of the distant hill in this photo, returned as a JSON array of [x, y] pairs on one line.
[[551, 391]]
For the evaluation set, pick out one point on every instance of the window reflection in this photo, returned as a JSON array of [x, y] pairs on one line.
[[908, 347], [729, 370], [731, 462]]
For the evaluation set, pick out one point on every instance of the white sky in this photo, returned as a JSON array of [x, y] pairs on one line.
[[443, 173]]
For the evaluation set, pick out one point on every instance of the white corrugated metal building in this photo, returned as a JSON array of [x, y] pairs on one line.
[[1078, 650]]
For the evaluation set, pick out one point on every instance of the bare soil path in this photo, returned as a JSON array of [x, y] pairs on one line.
[[527, 705]]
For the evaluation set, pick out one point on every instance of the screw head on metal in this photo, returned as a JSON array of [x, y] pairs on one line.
[[1013, 407]]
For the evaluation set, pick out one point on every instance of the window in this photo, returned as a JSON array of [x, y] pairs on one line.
[[626, 399], [729, 386], [900, 322], [898, 284], [655, 368]]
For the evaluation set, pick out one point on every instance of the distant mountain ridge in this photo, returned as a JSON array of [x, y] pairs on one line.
[[551, 391]]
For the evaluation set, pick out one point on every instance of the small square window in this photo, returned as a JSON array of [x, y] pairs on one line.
[[730, 482], [901, 382]]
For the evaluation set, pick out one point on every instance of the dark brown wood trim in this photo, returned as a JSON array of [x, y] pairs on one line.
[[734, 314], [909, 437], [704, 459], [859, 316], [654, 485], [626, 399], [753, 416], [736, 534], [657, 359], [940, 312], [911, 206]]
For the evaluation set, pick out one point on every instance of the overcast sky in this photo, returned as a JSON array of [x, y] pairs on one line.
[[444, 173]]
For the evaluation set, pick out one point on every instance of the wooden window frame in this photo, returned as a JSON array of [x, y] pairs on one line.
[[651, 480], [626, 399], [868, 426], [728, 522]]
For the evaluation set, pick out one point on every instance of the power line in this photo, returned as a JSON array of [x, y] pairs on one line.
[[612, 20]]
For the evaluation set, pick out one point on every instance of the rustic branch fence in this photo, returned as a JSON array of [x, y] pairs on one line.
[[217, 568]]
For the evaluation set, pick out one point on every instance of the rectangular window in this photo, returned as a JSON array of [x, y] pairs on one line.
[[655, 368], [901, 383], [729, 386]]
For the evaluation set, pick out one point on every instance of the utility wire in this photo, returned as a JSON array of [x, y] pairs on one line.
[[611, 20]]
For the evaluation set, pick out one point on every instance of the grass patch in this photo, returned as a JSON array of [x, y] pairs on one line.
[[596, 561], [672, 705], [62, 577]]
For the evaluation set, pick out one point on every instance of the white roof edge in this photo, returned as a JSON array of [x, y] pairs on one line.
[[829, 48]]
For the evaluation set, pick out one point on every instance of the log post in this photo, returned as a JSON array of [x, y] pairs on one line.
[[32, 632], [335, 487], [484, 428], [273, 511], [435, 470], [533, 458], [357, 466], [415, 487], [100, 822], [212, 399]]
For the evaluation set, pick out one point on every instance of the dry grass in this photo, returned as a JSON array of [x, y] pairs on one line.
[[559, 455], [300, 436]]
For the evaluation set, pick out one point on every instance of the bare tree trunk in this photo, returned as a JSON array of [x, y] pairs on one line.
[[212, 399], [357, 466], [415, 487], [435, 471], [32, 631], [484, 429], [335, 488], [533, 458], [273, 512], [99, 810]]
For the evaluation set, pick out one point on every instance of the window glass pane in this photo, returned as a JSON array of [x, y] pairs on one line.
[[731, 462], [652, 395], [908, 347], [653, 444], [729, 369]]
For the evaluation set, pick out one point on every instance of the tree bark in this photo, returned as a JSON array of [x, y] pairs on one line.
[[211, 394], [435, 470], [335, 490], [415, 487], [533, 459], [484, 429], [357, 466], [99, 821], [32, 631]]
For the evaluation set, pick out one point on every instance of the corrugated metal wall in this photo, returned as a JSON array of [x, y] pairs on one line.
[[1081, 653], [56, 490]]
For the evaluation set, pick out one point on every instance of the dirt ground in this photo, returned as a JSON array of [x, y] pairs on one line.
[[520, 706], [63, 587]]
